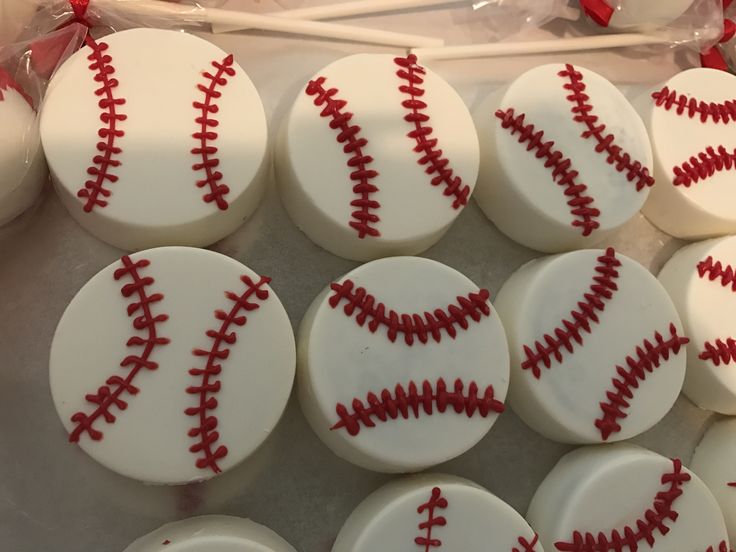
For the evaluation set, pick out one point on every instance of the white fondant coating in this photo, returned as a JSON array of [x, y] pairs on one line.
[[211, 534], [314, 176], [515, 189], [156, 200], [705, 208], [605, 488], [149, 439], [646, 14], [475, 519], [564, 403], [708, 312], [339, 361], [715, 463], [22, 165]]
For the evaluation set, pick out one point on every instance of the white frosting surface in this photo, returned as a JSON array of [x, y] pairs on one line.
[[341, 361], [575, 398], [156, 200], [606, 489], [315, 179], [466, 517], [213, 534], [520, 194], [715, 463], [704, 208], [707, 305], [149, 439]]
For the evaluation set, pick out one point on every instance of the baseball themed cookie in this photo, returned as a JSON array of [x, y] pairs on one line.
[[701, 279], [402, 364], [624, 498], [377, 157], [565, 158], [597, 347], [691, 120], [435, 513], [628, 14], [155, 137], [172, 365], [213, 534], [22, 165], [715, 463]]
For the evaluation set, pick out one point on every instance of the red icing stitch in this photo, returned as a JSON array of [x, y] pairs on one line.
[[438, 165], [109, 394], [409, 401], [363, 218], [650, 523], [647, 358], [732, 484], [718, 271], [560, 165], [583, 111], [419, 325], [206, 135], [8, 83], [703, 166], [720, 352], [717, 112], [110, 116], [205, 432], [723, 547], [436, 501], [527, 546], [571, 329]]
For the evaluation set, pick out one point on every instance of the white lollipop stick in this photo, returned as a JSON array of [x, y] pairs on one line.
[[215, 16], [344, 9], [498, 49]]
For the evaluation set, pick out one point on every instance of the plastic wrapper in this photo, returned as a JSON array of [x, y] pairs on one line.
[[504, 18]]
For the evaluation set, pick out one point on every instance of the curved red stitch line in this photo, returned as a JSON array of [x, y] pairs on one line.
[[205, 432], [583, 111], [724, 112], [438, 165], [105, 398], [411, 401], [722, 547], [648, 357], [560, 165], [720, 352], [718, 271], [363, 217], [703, 166], [423, 326], [206, 150], [570, 330], [101, 63], [651, 521], [436, 501], [8, 83], [527, 546]]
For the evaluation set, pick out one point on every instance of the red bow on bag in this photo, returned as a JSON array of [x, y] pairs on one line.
[[714, 58], [598, 10]]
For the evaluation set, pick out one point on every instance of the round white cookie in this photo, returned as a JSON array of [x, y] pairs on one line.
[[435, 513], [402, 364], [625, 498], [691, 120], [172, 365], [213, 534], [629, 14], [597, 347], [715, 463], [155, 137], [565, 158], [701, 279], [22, 165], [377, 156]]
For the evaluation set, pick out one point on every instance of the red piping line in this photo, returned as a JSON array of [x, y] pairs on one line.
[[436, 501], [717, 112]]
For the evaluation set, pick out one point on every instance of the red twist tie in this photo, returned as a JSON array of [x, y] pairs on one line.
[[598, 10]]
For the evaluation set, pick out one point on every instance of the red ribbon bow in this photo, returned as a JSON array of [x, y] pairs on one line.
[[714, 58], [79, 7], [598, 10]]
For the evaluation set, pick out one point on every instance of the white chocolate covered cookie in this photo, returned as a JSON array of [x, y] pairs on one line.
[[701, 279], [715, 463], [597, 348], [623, 498], [403, 364], [211, 534], [172, 365], [155, 137], [435, 513], [377, 156], [691, 120], [565, 158]]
